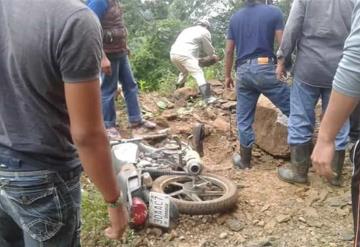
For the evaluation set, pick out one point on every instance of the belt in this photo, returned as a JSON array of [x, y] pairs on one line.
[[257, 60], [65, 175]]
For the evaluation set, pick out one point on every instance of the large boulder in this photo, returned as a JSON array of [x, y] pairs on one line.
[[271, 129], [185, 93]]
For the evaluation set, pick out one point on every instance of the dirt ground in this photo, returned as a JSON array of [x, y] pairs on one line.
[[269, 212]]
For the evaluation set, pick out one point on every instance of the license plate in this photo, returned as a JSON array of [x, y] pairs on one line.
[[159, 209]]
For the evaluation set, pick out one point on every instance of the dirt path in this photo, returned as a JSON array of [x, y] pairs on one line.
[[269, 212]]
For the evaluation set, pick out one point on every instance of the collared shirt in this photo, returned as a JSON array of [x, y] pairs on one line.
[[253, 28], [192, 42], [317, 29], [347, 78]]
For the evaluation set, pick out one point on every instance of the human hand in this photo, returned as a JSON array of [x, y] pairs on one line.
[[280, 71], [322, 157], [119, 221], [216, 58], [229, 82], [105, 65]]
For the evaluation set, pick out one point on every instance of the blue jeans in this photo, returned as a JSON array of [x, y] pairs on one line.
[[302, 118], [39, 208], [121, 71], [252, 80]]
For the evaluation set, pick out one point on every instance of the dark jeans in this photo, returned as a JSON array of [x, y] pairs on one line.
[[39, 208], [252, 80], [121, 72], [355, 190], [355, 125]]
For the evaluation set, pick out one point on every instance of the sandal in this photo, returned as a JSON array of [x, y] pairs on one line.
[[143, 124], [113, 134]]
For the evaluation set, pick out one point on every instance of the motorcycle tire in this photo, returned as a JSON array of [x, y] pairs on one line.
[[221, 204]]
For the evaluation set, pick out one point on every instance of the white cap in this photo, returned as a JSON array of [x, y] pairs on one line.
[[203, 22]]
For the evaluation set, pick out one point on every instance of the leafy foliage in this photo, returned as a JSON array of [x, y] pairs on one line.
[[153, 26]]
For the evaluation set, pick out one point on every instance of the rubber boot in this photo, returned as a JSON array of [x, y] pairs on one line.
[[337, 166], [297, 170], [243, 160], [206, 94]]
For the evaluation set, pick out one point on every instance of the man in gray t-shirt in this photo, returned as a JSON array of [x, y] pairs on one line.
[[317, 29], [50, 54], [345, 96]]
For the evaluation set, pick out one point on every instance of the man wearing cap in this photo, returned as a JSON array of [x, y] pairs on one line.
[[252, 31], [185, 54]]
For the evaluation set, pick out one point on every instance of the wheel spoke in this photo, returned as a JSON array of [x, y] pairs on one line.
[[196, 198], [201, 185], [177, 184], [175, 193]]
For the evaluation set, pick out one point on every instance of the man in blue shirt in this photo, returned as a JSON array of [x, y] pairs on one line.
[[252, 31]]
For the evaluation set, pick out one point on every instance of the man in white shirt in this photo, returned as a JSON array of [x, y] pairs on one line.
[[191, 43]]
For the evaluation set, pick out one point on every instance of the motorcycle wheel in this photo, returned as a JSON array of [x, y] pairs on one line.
[[204, 194]]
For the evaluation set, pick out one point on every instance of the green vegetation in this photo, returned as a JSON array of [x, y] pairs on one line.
[[153, 26]]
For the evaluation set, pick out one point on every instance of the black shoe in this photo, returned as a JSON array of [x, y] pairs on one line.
[[337, 167], [205, 92], [242, 160], [297, 170]]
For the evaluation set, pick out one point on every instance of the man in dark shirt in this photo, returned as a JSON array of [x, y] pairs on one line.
[[252, 31], [50, 54]]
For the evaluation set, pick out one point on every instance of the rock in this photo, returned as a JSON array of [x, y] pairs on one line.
[[230, 95], [301, 219], [215, 83], [314, 223], [221, 219], [261, 223], [229, 105], [162, 122], [223, 235], [270, 225], [156, 231], [265, 208], [283, 218], [207, 243], [338, 202], [260, 243], [310, 212], [221, 124], [210, 113], [181, 238], [169, 115], [161, 104], [185, 93], [217, 90], [234, 225], [347, 236], [271, 129]]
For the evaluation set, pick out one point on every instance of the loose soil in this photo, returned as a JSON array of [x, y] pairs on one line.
[[269, 212]]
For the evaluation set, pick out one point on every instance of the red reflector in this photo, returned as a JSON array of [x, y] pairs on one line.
[[138, 212]]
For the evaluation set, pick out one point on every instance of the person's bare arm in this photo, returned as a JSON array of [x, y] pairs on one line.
[[88, 133], [339, 109], [278, 36], [229, 61]]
